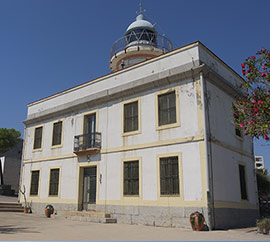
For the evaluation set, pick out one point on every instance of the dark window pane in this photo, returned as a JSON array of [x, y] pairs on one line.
[[131, 178], [38, 138], [238, 132], [169, 176], [243, 186], [89, 140], [166, 108], [57, 133], [131, 117], [34, 183], [54, 182]]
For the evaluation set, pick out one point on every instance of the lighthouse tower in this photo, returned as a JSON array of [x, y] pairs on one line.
[[140, 42]]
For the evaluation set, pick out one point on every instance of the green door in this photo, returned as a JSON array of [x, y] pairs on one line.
[[89, 186]]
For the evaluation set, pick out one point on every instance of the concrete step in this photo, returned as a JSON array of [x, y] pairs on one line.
[[15, 210], [89, 216], [111, 220], [11, 207], [10, 204]]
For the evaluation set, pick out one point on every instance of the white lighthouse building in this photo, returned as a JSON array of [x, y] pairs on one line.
[[149, 143]]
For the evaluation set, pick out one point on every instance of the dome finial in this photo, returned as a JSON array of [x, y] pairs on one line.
[[141, 10]]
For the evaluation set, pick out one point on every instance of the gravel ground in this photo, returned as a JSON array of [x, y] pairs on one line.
[[26, 227]]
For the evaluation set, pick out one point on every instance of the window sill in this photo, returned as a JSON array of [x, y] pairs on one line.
[[239, 138], [37, 150], [131, 196], [131, 133], [170, 196], [33, 195], [56, 146], [168, 126]]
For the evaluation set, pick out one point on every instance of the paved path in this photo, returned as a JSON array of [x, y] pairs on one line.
[[19, 226]]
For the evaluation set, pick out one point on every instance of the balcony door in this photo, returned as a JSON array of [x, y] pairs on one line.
[[89, 130]]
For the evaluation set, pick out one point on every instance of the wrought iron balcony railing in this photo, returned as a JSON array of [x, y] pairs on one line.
[[158, 41], [87, 142]]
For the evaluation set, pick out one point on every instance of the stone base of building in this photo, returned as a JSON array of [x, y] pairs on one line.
[[226, 218], [39, 208], [152, 215], [142, 215]]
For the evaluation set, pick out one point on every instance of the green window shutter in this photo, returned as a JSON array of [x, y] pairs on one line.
[[54, 182], [131, 178], [243, 186], [169, 176], [38, 138], [57, 133], [166, 108], [131, 117], [34, 183]]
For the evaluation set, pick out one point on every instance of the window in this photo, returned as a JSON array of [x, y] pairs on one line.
[[243, 187], [34, 183], [131, 178], [57, 133], [38, 138], [169, 176], [54, 182], [166, 108], [131, 117], [238, 132]]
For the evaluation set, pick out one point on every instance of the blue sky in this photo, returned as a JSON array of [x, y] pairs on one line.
[[47, 46]]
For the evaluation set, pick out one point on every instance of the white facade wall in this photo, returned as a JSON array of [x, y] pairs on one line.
[[67, 180], [228, 150], [221, 120], [109, 123], [110, 186], [226, 176]]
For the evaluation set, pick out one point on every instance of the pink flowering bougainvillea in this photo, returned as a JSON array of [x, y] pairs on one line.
[[252, 111]]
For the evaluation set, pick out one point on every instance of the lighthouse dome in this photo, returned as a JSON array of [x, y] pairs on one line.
[[140, 23]]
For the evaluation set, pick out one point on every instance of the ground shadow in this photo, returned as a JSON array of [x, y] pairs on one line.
[[10, 229], [251, 230]]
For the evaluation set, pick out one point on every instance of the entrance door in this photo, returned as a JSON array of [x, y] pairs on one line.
[[89, 130], [89, 186]]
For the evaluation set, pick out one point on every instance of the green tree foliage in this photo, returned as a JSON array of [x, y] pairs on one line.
[[263, 182], [252, 112], [8, 139]]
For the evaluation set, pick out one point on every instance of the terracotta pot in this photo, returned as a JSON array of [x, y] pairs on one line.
[[26, 209], [48, 212], [196, 221]]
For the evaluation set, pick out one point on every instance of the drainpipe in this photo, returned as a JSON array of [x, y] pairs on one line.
[[209, 173], [1, 174]]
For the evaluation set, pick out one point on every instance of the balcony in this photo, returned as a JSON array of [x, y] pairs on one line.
[[86, 144], [157, 41]]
